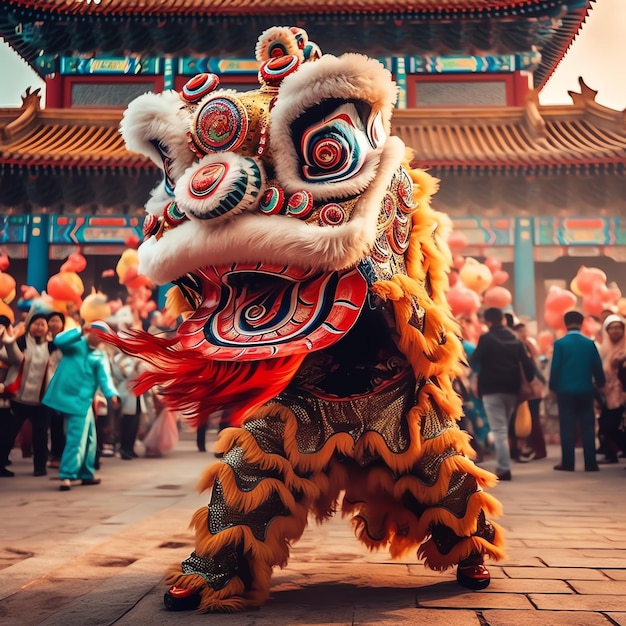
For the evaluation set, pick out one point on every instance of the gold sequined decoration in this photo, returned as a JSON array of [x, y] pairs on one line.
[[217, 570], [435, 422], [427, 470], [269, 433], [247, 476], [461, 488], [222, 516], [383, 413]]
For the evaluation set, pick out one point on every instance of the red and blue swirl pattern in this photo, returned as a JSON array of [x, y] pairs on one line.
[[332, 150], [260, 311]]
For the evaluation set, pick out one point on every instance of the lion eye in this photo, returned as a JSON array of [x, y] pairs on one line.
[[335, 147]]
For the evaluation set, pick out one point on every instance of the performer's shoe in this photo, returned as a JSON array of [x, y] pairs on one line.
[[91, 481], [5, 473], [66, 485], [40, 472], [563, 468], [178, 599], [503, 475], [473, 576]]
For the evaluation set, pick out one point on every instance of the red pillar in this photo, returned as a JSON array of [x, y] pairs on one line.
[[54, 91]]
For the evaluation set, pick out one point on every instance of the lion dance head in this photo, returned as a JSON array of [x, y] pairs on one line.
[[284, 213]]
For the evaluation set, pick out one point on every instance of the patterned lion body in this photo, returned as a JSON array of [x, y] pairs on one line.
[[310, 270]]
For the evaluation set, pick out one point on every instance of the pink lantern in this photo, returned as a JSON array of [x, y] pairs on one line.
[[588, 277], [560, 300], [475, 276], [493, 264], [497, 296], [462, 301], [75, 262], [500, 277]]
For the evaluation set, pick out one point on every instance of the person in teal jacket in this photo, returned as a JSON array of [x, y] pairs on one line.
[[575, 372], [71, 391]]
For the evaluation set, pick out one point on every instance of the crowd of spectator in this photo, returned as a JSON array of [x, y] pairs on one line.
[[67, 400], [576, 378]]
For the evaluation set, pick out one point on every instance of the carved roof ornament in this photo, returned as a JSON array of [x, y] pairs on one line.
[[601, 115], [16, 121], [587, 94]]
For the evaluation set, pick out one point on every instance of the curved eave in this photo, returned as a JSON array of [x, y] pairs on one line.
[[583, 137], [552, 54], [453, 8], [64, 139]]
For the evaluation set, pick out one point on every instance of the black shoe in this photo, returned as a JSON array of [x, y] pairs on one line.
[[5, 473], [610, 461], [473, 576], [40, 472], [592, 468], [126, 456], [504, 475], [90, 481], [177, 599], [563, 468]]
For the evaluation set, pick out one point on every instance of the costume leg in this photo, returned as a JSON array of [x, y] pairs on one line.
[[435, 505], [258, 506]]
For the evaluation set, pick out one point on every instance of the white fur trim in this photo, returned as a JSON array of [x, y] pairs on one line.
[[285, 35], [158, 117], [350, 76], [276, 239], [239, 168]]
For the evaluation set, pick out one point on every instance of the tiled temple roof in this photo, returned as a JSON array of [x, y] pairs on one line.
[[41, 30], [584, 136], [305, 7], [63, 138], [537, 138]]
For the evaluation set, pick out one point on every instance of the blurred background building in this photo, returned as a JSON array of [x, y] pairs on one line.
[[539, 188]]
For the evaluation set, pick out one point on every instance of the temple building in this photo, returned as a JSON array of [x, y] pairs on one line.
[[541, 188]]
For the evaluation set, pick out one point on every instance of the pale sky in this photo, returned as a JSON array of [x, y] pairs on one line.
[[597, 55]]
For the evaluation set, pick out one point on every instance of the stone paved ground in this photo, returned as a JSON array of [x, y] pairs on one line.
[[96, 555]]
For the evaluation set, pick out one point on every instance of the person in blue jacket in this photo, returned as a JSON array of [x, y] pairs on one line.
[[576, 366], [71, 392]]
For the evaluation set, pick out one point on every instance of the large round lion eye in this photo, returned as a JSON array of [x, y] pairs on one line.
[[220, 125], [334, 148]]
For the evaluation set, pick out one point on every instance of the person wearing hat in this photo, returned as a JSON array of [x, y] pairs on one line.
[[576, 366], [71, 392], [613, 353], [30, 353]]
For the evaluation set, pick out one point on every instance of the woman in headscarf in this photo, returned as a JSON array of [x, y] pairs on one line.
[[613, 353]]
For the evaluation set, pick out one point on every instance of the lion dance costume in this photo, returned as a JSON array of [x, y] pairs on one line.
[[310, 272]]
